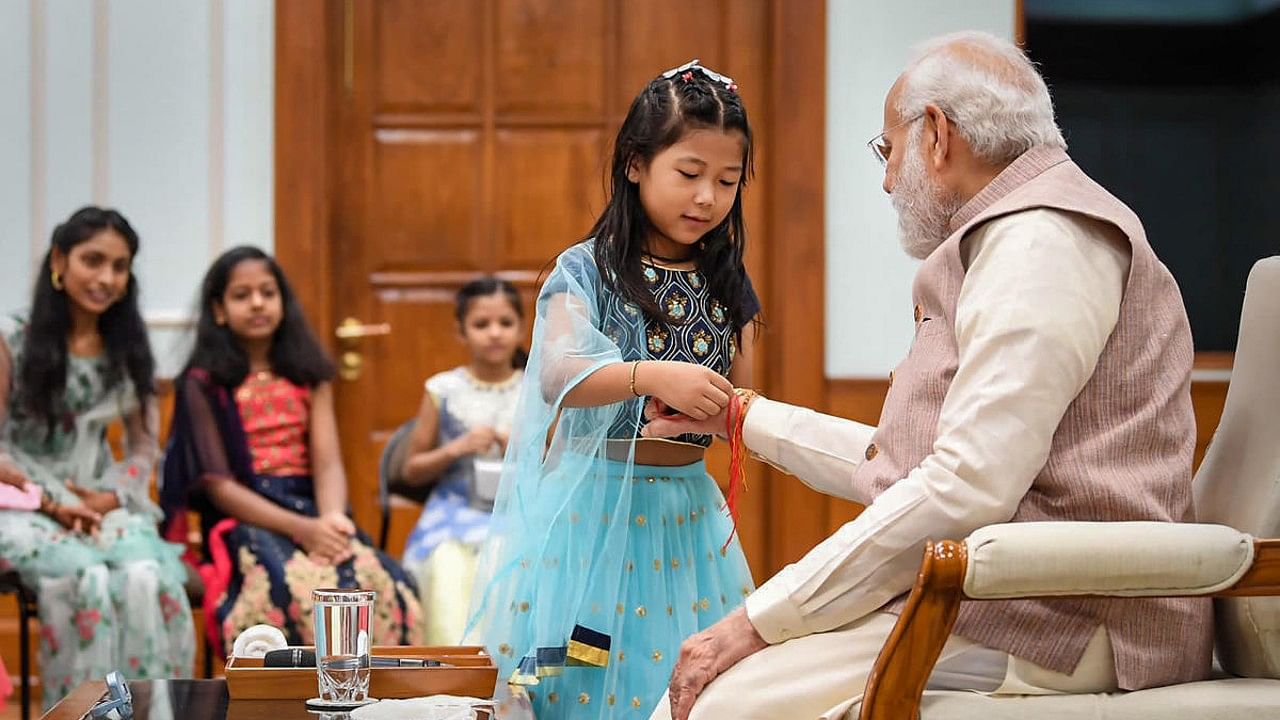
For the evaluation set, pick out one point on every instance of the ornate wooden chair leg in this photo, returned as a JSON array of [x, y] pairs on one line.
[[902, 670]]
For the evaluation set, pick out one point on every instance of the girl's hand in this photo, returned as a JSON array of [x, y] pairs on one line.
[[11, 475], [99, 501], [663, 422], [324, 540], [478, 440], [76, 518], [692, 390]]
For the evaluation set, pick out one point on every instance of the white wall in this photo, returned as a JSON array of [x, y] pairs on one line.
[[162, 109], [868, 275]]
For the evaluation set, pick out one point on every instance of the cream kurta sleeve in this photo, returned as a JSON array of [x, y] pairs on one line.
[[1040, 298]]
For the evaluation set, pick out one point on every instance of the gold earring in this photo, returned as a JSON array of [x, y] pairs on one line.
[[55, 279]]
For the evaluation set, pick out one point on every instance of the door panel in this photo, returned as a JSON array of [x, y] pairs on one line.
[[551, 58], [426, 212], [566, 165], [425, 55]]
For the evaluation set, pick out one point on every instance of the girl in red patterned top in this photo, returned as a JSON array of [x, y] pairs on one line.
[[255, 449]]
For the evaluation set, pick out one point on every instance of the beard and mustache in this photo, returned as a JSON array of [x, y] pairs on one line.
[[924, 207]]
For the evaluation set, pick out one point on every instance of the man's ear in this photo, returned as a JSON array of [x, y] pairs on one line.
[[937, 135]]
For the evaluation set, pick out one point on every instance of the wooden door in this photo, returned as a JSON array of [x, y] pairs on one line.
[[422, 143]]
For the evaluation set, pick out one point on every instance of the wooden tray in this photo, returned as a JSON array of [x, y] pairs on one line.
[[473, 674]]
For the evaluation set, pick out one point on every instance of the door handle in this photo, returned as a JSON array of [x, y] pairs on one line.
[[349, 332]]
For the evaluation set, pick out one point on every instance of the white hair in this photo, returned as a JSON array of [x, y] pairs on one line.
[[988, 88]]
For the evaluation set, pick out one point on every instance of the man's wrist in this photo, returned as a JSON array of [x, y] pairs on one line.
[[744, 640]]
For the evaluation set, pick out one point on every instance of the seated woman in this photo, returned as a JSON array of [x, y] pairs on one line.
[[466, 415], [255, 449], [110, 590]]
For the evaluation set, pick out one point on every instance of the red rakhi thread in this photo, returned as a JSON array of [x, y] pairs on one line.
[[737, 463]]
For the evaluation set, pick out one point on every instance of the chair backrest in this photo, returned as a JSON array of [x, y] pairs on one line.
[[391, 464], [1238, 483]]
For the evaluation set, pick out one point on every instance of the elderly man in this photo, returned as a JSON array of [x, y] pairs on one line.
[[1048, 380]]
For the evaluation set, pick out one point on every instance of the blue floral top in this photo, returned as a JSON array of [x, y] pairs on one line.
[[699, 331]]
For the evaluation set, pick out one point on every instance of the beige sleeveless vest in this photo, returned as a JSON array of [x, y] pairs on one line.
[[1123, 450]]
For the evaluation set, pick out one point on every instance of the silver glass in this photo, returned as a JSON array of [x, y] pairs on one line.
[[343, 623]]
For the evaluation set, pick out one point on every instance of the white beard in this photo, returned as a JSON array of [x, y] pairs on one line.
[[924, 208]]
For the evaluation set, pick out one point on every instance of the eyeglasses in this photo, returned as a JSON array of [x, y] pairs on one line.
[[880, 148]]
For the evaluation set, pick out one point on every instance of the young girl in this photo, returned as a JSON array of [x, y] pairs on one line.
[[464, 421], [110, 590], [255, 449], [607, 550]]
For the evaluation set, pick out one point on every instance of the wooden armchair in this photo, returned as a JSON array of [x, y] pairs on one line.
[[1237, 488]]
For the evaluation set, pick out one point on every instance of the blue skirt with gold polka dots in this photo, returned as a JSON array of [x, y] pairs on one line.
[[675, 575]]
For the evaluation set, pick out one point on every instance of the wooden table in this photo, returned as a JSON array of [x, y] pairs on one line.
[[194, 700]]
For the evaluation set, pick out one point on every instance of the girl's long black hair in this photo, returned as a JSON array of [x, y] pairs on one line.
[[43, 371], [295, 353], [661, 114], [484, 287]]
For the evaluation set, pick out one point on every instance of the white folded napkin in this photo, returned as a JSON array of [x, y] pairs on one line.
[[434, 707], [257, 641]]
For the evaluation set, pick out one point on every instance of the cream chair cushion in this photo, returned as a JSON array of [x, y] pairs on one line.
[[1124, 559]]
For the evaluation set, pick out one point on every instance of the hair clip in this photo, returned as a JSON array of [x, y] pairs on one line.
[[685, 72]]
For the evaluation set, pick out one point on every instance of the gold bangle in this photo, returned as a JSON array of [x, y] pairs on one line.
[[634, 364]]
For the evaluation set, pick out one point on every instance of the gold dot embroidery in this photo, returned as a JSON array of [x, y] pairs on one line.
[[693, 516], [641, 612], [652, 479], [524, 607], [657, 656], [583, 698], [640, 520], [573, 518], [611, 699], [621, 656], [620, 609], [680, 520], [675, 563], [669, 610], [695, 607], [505, 649], [552, 698], [630, 566], [724, 552], [635, 702], [704, 603], [657, 565]]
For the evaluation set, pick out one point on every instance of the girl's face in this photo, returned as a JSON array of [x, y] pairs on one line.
[[688, 188], [95, 273], [491, 329], [251, 306]]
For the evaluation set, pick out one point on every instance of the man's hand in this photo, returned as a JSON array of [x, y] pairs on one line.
[[703, 657], [665, 422]]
